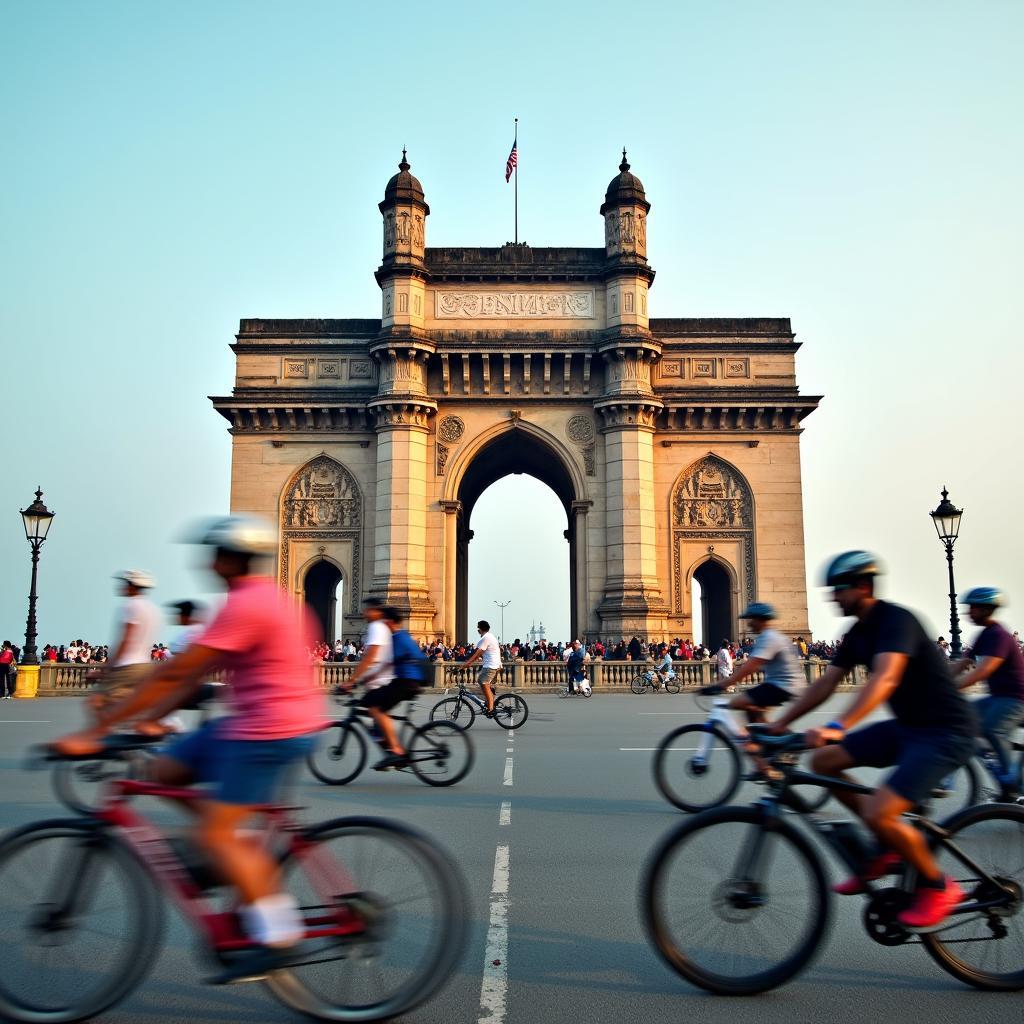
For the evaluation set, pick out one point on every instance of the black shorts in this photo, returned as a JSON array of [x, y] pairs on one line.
[[768, 695], [387, 696], [923, 757]]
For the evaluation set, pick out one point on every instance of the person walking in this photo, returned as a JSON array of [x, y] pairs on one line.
[[724, 663], [8, 671]]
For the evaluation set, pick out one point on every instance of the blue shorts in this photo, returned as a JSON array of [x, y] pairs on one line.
[[923, 757], [242, 772]]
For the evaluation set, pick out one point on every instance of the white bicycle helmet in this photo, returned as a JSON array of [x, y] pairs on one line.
[[243, 534], [137, 578]]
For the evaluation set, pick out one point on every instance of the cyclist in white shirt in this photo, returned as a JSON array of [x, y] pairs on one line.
[[489, 651], [723, 662], [138, 624]]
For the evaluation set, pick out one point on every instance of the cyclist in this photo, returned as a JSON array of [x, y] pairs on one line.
[[1000, 663], [408, 665], [259, 636], [663, 670], [772, 654], [929, 737], [575, 671], [488, 650]]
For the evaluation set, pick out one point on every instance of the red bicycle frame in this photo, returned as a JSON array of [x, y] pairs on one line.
[[331, 918]]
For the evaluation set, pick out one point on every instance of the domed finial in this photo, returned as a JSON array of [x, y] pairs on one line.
[[404, 165], [624, 166]]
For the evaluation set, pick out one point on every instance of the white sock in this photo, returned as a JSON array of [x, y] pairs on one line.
[[273, 920]]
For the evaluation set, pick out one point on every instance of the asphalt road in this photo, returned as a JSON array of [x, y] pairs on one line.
[[571, 800]]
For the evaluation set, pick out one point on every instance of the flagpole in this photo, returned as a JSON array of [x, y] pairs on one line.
[[515, 146]]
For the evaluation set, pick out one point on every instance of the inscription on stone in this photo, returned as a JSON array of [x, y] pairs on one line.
[[565, 305], [296, 368]]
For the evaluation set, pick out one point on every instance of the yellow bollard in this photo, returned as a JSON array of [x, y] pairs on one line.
[[28, 681]]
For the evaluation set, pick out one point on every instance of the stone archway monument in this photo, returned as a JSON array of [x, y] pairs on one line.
[[670, 443]]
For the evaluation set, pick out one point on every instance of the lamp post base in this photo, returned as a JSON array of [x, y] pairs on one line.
[[28, 681]]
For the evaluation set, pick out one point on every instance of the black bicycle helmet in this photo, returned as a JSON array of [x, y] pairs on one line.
[[851, 567]]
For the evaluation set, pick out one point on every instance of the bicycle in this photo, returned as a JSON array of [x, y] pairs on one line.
[[80, 785], [644, 681], [437, 753], [581, 689], [510, 710], [981, 776], [735, 899], [698, 766], [80, 901]]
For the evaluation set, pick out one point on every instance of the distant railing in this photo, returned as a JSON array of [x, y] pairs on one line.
[[57, 679]]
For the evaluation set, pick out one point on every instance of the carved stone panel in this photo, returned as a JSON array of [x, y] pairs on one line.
[[580, 429], [563, 305], [451, 429], [323, 495], [296, 369]]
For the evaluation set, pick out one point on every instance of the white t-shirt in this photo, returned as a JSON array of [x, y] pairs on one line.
[[723, 659], [378, 635], [141, 613], [187, 637], [488, 643], [781, 668]]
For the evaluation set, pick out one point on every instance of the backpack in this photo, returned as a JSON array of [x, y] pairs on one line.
[[408, 661]]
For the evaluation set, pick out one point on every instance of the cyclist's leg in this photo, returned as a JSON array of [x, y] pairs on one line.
[[1000, 717], [484, 682]]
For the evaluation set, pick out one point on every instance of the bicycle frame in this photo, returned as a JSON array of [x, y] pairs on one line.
[[782, 794], [719, 715], [170, 875]]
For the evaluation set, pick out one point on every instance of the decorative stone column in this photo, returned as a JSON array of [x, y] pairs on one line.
[[452, 514], [580, 589]]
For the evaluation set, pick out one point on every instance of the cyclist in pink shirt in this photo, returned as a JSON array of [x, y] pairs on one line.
[[260, 638]]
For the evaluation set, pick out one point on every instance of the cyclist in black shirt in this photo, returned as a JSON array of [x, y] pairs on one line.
[[930, 736]]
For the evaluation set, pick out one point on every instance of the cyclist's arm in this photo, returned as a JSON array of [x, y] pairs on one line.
[[886, 672], [366, 663], [127, 633], [475, 656], [817, 693], [748, 668], [986, 667]]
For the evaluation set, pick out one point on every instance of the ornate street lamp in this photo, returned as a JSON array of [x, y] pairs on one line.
[[37, 518], [947, 525]]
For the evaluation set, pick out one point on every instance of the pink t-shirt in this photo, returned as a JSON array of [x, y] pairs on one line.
[[264, 638]]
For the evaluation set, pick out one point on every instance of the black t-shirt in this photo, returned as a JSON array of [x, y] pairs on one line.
[[926, 697]]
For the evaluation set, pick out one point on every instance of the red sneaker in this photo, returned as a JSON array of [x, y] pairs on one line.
[[884, 864], [931, 906]]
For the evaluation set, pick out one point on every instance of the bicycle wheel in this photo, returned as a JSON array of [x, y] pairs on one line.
[[80, 785], [80, 921], [984, 948], [510, 711], [413, 900], [733, 906], [639, 683], [454, 709], [440, 753], [697, 767], [339, 755], [672, 686]]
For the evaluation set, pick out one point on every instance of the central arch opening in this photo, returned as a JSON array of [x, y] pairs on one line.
[[715, 590], [516, 540], [323, 588]]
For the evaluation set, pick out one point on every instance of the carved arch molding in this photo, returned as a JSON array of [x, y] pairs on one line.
[[712, 501], [322, 501]]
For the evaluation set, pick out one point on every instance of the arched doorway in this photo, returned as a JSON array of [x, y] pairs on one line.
[[715, 603], [516, 451], [323, 591]]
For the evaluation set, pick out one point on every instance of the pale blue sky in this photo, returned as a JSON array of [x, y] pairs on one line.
[[170, 168]]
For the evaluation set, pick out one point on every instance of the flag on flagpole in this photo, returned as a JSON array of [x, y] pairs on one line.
[[510, 164]]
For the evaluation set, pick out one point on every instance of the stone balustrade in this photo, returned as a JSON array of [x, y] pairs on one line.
[[57, 680]]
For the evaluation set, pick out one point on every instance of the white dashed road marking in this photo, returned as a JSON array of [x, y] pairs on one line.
[[505, 815], [494, 990], [508, 772]]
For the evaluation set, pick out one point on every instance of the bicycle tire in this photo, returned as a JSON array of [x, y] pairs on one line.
[[454, 709], [724, 761], [327, 758], [639, 684], [81, 785], [655, 892], [295, 988], [507, 709], [998, 834], [965, 792], [137, 933], [440, 753], [672, 686]]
